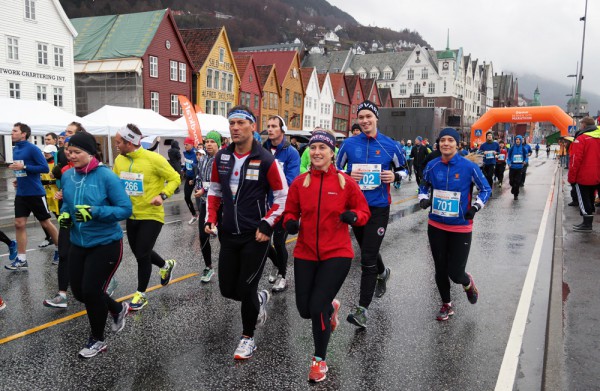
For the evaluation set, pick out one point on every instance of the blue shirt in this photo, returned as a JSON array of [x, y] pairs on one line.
[[488, 147]]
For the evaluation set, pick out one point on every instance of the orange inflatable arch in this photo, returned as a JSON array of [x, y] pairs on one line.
[[553, 114]]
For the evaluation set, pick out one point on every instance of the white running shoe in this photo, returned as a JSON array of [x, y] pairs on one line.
[[263, 298], [280, 284], [92, 348], [245, 349], [273, 275], [193, 220]]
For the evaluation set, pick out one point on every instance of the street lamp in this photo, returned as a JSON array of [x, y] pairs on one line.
[[580, 74]]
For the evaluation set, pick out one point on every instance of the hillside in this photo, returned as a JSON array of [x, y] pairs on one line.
[[254, 22]]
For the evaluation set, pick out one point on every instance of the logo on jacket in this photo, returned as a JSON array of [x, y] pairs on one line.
[[380, 231], [456, 176], [377, 152]]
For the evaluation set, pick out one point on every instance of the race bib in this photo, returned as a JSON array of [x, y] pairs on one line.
[[518, 159], [445, 203], [133, 182], [20, 173], [371, 175], [189, 165], [489, 154], [501, 157]]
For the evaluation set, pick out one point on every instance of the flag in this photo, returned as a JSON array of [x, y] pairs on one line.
[[191, 119]]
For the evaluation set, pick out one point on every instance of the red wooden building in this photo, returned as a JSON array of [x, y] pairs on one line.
[[355, 94], [341, 110]]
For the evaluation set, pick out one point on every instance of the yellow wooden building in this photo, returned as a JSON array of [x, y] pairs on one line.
[[271, 100]]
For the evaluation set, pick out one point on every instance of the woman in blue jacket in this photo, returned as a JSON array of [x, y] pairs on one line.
[[94, 201], [517, 158], [451, 211]]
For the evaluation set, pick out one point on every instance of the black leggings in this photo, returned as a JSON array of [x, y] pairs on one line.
[[450, 251], [514, 178], [278, 252], [142, 235], [369, 238], [91, 270], [317, 283], [5, 239], [488, 172], [187, 195], [64, 246], [204, 237], [241, 263], [524, 173], [499, 171]]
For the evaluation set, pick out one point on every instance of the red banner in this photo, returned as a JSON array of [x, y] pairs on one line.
[[191, 119]]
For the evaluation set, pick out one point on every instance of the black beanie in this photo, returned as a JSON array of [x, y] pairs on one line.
[[84, 141], [356, 126]]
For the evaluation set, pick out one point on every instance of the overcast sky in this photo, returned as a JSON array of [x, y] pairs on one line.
[[542, 37]]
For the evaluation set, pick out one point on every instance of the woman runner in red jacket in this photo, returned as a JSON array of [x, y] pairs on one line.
[[321, 203]]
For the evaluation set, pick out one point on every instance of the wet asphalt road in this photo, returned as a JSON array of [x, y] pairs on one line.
[[185, 338]]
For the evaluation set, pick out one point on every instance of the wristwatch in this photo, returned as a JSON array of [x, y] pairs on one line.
[[163, 196]]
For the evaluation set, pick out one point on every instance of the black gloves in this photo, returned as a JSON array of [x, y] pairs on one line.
[[471, 212], [348, 217], [292, 226], [265, 228], [425, 203]]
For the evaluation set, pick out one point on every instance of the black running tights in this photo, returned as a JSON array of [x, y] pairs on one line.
[[142, 235]]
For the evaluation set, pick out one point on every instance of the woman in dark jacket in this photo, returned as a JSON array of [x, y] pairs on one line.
[[175, 158]]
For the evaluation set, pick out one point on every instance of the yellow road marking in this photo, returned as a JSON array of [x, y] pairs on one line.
[[81, 313]]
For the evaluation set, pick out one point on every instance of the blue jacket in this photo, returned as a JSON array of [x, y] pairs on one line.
[[380, 149], [34, 160], [489, 147], [517, 150], [407, 150], [528, 149], [288, 158], [190, 161], [458, 175], [103, 191]]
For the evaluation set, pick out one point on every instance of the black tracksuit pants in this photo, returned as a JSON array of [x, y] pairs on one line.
[[142, 235]]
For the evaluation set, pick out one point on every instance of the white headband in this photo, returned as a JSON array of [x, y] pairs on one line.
[[130, 136]]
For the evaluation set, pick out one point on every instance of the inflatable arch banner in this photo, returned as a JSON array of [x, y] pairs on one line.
[[553, 114]]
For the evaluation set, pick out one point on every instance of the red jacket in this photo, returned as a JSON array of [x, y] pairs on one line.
[[322, 235], [584, 158]]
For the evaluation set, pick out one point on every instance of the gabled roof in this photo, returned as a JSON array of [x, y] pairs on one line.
[[245, 63], [199, 43], [321, 77], [65, 18], [367, 86], [332, 62], [115, 36], [337, 82], [385, 94], [306, 74], [352, 82], [263, 75], [282, 60], [394, 60]]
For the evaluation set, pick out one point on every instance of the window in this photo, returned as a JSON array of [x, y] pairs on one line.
[[287, 95], [411, 74], [173, 70], [342, 92], [208, 108], [42, 53], [41, 93], [402, 103], [374, 75], [265, 101], [431, 88], [59, 57], [57, 92], [358, 95], [14, 90], [154, 105], [444, 86], [12, 48], [362, 75], [256, 102], [402, 89], [221, 55], [430, 102], [222, 109], [224, 81], [416, 103], [153, 66], [30, 9], [182, 72], [250, 78], [424, 73], [230, 83], [216, 80], [387, 75], [417, 88], [209, 79], [276, 102], [174, 105]]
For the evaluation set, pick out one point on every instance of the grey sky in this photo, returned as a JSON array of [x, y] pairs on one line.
[[541, 37]]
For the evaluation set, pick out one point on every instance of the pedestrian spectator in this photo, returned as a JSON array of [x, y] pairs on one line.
[[355, 130], [409, 160], [294, 143], [319, 205], [189, 176], [418, 155]]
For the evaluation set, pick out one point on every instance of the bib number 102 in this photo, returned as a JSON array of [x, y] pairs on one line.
[[370, 179]]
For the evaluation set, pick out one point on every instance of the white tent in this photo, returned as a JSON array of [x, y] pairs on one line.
[[41, 116], [209, 122]]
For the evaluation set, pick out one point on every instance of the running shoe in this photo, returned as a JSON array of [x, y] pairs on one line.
[[335, 319], [167, 271], [573, 203], [445, 312], [92, 348], [263, 298], [57, 301], [193, 220], [500, 184], [318, 371], [207, 274], [112, 286], [17, 265], [2, 304], [359, 317], [119, 319], [245, 349], [280, 284], [472, 291], [55, 260], [138, 302], [45, 243], [12, 250], [381, 286], [273, 275]]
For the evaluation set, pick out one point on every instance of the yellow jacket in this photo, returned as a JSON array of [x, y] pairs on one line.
[[50, 185], [156, 171]]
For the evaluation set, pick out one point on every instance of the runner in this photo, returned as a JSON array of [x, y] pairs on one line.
[[451, 178], [374, 161], [12, 245], [50, 140], [501, 163], [28, 164], [242, 176], [490, 150], [289, 160], [49, 183], [189, 156], [547, 151], [149, 180], [517, 157], [212, 143], [537, 149], [324, 200], [95, 200]]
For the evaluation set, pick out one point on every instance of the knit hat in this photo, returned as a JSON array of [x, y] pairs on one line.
[[321, 136], [355, 126], [215, 136], [84, 141], [419, 138], [63, 134], [189, 140], [450, 132], [368, 105]]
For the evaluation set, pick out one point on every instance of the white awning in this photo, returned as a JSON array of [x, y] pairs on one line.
[[111, 65]]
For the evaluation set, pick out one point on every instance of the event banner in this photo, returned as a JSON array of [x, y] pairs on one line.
[[191, 119]]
